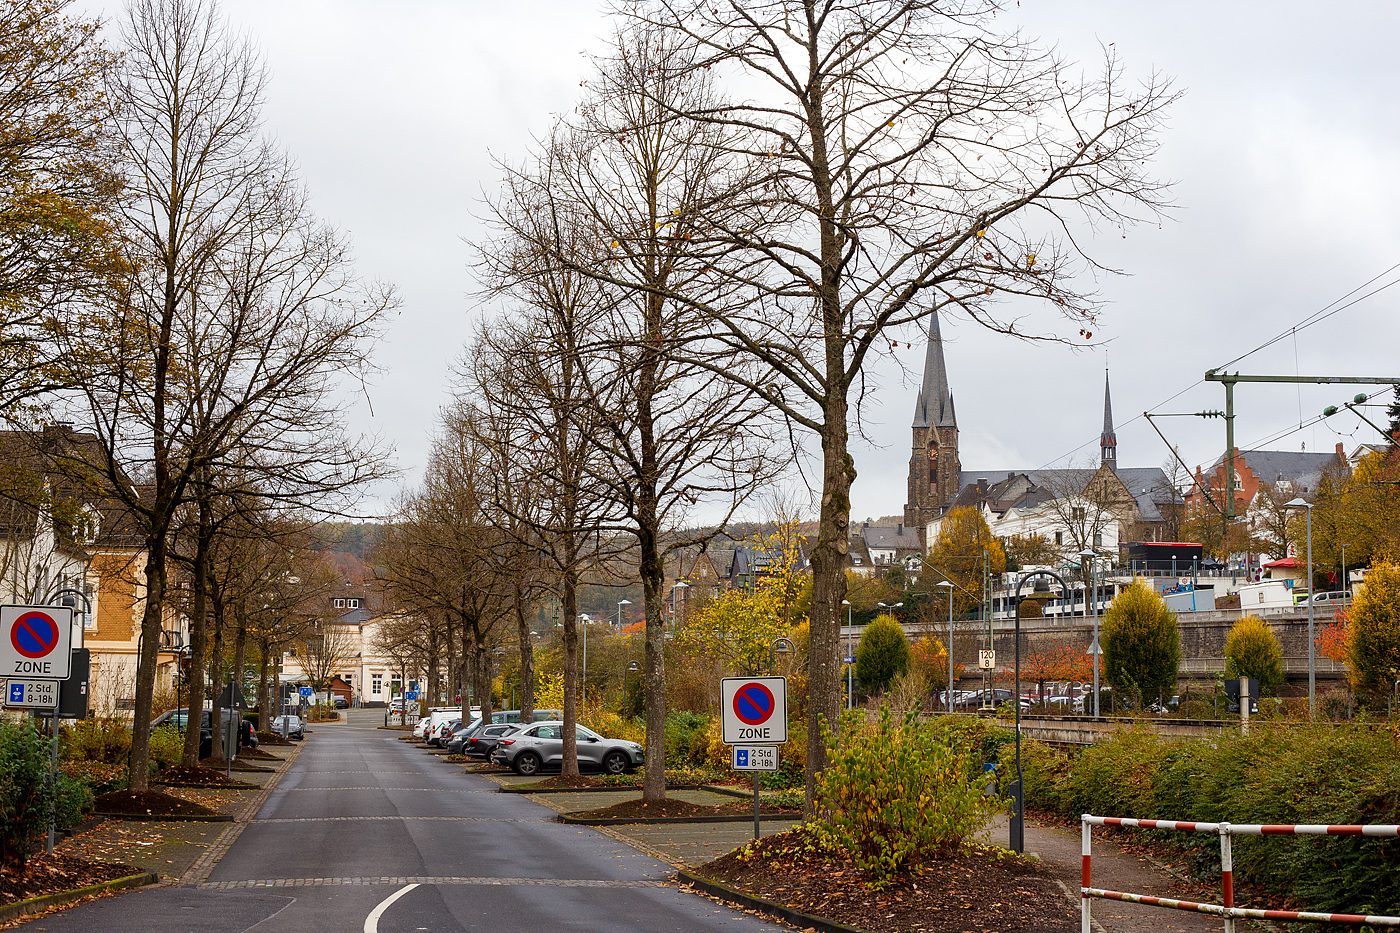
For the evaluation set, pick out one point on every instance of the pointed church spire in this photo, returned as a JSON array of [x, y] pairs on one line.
[[1108, 442], [934, 407]]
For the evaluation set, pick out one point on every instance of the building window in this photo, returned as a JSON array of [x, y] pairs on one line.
[[1059, 537], [376, 684], [1098, 540], [1079, 513], [352, 603], [395, 686], [339, 604]]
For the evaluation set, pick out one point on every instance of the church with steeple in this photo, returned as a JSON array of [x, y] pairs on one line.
[[937, 481], [934, 468]]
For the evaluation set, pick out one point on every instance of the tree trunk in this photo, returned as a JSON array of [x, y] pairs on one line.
[[138, 764], [199, 644], [527, 658], [483, 673], [467, 669], [654, 779], [431, 692], [265, 712], [570, 766]]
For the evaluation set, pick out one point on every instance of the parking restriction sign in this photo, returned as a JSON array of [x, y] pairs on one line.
[[35, 641], [753, 710]]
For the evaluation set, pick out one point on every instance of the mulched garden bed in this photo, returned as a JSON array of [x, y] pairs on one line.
[[559, 780], [200, 777], [257, 754], [672, 809], [52, 874], [148, 805], [980, 890], [273, 738]]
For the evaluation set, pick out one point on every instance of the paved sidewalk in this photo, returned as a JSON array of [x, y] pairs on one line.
[[692, 844]]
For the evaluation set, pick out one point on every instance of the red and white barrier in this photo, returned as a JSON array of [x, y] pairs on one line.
[[1227, 910]]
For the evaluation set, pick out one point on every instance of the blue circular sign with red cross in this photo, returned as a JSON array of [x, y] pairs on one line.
[[34, 634], [753, 704]]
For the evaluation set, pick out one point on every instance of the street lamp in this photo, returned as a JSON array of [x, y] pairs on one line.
[[632, 668], [781, 646], [620, 604], [1094, 645], [850, 664], [678, 585], [949, 696], [1301, 503], [583, 675], [1018, 816]]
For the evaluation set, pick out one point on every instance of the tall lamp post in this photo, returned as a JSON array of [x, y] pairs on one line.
[[620, 604], [1018, 816], [583, 673], [1301, 503], [1093, 645], [678, 585], [850, 664], [950, 585]]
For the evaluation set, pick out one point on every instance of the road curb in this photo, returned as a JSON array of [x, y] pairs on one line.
[[639, 820], [36, 905], [203, 866], [165, 817], [771, 908], [526, 789]]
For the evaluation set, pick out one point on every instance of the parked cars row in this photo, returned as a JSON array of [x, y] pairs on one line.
[[540, 746]]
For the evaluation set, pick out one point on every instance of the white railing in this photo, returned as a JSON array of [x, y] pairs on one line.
[[1227, 910]]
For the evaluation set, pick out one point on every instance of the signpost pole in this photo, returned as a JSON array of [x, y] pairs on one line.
[[755, 806], [53, 778]]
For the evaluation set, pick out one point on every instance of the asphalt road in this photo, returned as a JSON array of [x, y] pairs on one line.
[[365, 833]]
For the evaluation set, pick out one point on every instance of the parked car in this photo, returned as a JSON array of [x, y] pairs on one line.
[[341, 702], [176, 719], [290, 726], [541, 745], [484, 741], [438, 732], [422, 727]]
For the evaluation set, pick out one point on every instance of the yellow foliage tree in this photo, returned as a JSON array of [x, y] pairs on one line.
[[957, 553], [1373, 632], [737, 627]]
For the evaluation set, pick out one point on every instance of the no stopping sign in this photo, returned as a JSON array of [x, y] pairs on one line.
[[753, 710], [35, 641]]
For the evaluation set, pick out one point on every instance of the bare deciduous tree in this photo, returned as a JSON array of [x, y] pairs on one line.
[[901, 156], [630, 173], [239, 312]]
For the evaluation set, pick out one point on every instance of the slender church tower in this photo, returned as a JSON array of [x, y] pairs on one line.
[[933, 464], [1108, 441]]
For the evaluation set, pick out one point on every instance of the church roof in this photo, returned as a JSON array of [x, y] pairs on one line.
[[1148, 486], [934, 407]]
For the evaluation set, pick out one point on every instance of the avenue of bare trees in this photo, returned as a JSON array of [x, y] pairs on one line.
[[745, 208], [168, 288]]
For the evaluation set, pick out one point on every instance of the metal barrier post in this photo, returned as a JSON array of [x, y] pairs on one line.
[[1227, 878], [1084, 899]]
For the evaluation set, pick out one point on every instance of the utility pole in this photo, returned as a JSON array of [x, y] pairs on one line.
[[1229, 380]]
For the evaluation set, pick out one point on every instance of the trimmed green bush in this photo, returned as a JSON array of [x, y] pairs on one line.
[[28, 793], [167, 747], [1284, 772], [882, 655], [893, 796]]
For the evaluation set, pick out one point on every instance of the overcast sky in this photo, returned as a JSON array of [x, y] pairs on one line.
[[1287, 198]]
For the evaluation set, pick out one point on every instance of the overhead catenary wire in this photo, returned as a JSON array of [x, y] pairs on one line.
[[1323, 313]]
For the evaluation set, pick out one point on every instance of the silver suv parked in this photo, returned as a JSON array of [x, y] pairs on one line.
[[541, 746]]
